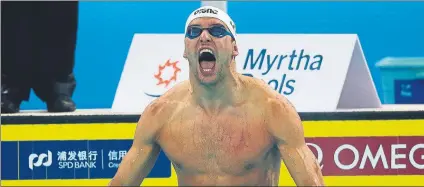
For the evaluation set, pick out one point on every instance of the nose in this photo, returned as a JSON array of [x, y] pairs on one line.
[[205, 36]]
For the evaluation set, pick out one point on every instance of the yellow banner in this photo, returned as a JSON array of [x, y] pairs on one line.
[[313, 129]]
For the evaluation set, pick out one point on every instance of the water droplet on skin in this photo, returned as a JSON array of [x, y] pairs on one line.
[[138, 151]]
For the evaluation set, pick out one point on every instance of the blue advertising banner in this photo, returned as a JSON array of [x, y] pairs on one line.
[[409, 91], [82, 159]]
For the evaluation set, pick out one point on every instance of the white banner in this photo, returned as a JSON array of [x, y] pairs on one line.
[[316, 72]]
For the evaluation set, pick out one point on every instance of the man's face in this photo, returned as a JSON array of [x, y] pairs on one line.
[[209, 56]]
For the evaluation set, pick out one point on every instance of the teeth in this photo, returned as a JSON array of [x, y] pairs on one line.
[[206, 50], [207, 69]]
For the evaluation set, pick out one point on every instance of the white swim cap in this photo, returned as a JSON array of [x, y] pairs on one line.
[[212, 12]]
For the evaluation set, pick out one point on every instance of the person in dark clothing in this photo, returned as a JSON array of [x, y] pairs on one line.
[[38, 41]]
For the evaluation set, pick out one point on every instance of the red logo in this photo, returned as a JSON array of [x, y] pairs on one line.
[[352, 156], [173, 65]]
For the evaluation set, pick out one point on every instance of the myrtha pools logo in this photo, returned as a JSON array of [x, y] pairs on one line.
[[166, 78], [40, 160]]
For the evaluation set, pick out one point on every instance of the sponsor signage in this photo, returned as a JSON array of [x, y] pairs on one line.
[[381, 152], [81, 159], [409, 91], [356, 156], [351, 156], [332, 66]]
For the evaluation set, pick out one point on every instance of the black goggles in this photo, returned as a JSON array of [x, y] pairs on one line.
[[217, 31]]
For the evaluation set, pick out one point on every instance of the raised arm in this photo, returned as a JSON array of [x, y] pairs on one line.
[[143, 153], [286, 127]]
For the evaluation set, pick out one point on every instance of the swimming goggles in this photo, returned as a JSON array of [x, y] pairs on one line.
[[217, 31]]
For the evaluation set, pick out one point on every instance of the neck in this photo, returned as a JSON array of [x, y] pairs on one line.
[[213, 97]]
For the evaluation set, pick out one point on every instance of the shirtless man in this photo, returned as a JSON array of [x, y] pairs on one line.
[[220, 127]]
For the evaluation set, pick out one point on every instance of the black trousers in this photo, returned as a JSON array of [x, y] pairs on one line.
[[38, 42]]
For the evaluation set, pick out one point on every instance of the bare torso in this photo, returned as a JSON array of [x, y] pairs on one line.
[[232, 147], [220, 128]]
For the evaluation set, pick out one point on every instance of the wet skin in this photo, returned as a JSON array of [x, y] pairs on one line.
[[220, 128]]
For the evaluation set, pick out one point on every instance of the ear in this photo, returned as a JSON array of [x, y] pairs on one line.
[[185, 48], [185, 54], [235, 49]]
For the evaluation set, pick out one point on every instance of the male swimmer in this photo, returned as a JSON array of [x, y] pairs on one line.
[[219, 127]]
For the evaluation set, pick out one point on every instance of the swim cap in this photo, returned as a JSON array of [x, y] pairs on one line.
[[212, 12]]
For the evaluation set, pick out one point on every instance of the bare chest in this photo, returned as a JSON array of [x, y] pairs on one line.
[[230, 142]]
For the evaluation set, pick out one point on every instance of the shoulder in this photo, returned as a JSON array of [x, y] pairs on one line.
[[280, 117], [263, 92], [156, 114], [276, 106], [164, 105]]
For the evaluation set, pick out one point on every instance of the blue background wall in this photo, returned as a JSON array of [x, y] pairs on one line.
[[106, 30]]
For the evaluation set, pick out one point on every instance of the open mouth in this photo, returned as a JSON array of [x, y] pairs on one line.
[[207, 61]]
